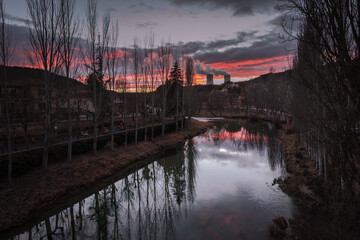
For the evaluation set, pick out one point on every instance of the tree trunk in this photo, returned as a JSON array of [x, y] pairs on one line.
[[145, 117], [177, 107], [125, 118], [189, 106], [152, 109], [69, 154], [47, 121], [137, 113], [163, 113], [182, 108], [112, 115], [8, 127], [78, 121], [95, 118]]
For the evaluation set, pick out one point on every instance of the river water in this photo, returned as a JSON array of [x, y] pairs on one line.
[[217, 186]]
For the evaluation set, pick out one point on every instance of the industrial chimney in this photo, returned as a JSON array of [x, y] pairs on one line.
[[209, 79], [226, 78]]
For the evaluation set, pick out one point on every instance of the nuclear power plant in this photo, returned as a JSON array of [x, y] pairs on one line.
[[210, 79], [226, 78]]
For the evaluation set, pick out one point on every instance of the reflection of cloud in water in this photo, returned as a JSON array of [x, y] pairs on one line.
[[228, 152], [247, 168], [249, 147], [218, 186]]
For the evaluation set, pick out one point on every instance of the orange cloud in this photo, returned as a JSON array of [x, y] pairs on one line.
[[253, 68]]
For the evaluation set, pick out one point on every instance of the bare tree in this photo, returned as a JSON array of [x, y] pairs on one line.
[[112, 69], [145, 75], [136, 63], [175, 81], [152, 69], [96, 46], [327, 70], [69, 28], [92, 19], [6, 46], [189, 74], [165, 59], [183, 66], [45, 45], [124, 90]]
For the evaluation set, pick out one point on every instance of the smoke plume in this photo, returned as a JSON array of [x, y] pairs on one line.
[[202, 68]]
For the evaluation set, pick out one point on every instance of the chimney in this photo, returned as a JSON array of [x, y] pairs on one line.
[[226, 78], [209, 79]]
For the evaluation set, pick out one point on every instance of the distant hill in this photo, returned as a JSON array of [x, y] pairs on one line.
[[23, 76], [280, 80], [276, 77]]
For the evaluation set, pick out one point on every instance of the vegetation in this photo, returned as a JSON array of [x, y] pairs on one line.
[[106, 100], [130, 88]]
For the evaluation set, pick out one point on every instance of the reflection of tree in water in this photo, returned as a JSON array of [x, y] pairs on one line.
[[260, 137], [100, 210], [145, 204], [148, 202], [191, 155]]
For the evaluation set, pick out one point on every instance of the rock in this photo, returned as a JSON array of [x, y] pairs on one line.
[[281, 222]]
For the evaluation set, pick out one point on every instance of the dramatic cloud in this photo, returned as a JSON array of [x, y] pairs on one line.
[[238, 7], [17, 19], [266, 46], [246, 54], [198, 46], [190, 47], [148, 24], [241, 38]]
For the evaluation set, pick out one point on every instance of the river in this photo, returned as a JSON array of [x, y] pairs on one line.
[[217, 186]]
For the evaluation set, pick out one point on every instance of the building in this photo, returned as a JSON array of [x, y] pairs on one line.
[[27, 96], [210, 79], [227, 78]]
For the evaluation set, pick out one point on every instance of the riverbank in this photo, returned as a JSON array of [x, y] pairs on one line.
[[320, 214], [38, 190], [303, 182]]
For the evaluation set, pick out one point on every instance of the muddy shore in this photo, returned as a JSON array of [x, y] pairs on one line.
[[39, 190], [303, 183]]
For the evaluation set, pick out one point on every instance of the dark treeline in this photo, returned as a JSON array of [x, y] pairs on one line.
[[321, 94], [326, 94], [121, 85]]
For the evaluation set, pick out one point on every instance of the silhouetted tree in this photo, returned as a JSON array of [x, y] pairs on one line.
[[112, 63], [189, 74], [6, 46], [173, 96], [45, 44], [165, 59], [69, 28]]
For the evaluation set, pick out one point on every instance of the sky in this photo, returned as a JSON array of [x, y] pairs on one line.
[[237, 37]]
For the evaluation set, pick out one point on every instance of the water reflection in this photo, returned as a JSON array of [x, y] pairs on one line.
[[216, 186]]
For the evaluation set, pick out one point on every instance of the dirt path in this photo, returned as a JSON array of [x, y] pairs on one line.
[[38, 190]]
